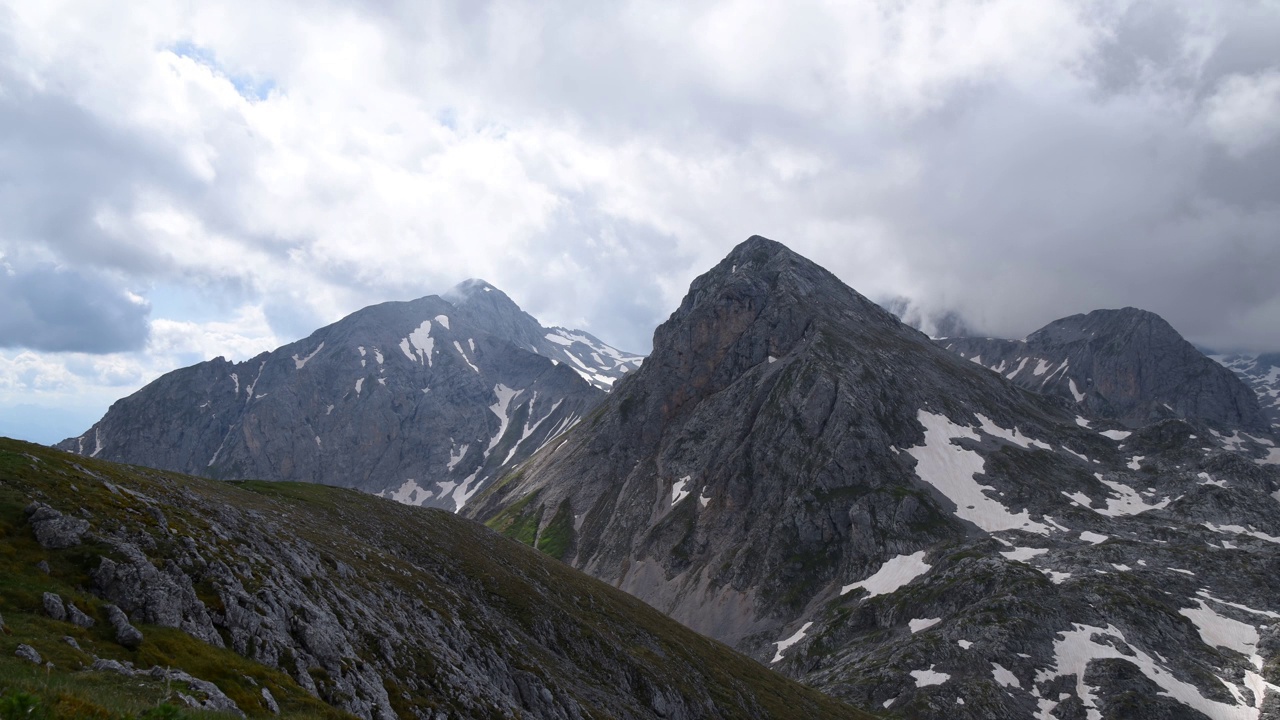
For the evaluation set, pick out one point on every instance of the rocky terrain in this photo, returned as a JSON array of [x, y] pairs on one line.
[[1262, 373], [124, 587], [1127, 365], [425, 402], [797, 473]]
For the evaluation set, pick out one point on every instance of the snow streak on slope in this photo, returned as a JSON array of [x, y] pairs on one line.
[[950, 468], [300, 363], [784, 644]]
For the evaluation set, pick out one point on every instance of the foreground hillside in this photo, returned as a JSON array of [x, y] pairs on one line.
[[141, 586]]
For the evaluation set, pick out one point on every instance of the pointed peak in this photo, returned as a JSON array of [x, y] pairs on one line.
[[469, 289], [758, 248]]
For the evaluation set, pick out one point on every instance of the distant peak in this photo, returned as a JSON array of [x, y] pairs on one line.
[[758, 247], [469, 288]]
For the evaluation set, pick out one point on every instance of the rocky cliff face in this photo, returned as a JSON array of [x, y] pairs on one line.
[[1127, 365], [1262, 373], [423, 401], [260, 598], [795, 472]]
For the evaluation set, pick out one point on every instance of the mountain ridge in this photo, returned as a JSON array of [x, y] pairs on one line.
[[416, 400], [1128, 365]]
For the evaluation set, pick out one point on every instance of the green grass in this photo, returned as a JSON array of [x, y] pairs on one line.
[[557, 537]]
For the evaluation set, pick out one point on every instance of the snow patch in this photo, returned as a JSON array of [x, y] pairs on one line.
[[300, 363], [1092, 537], [1123, 501], [410, 493], [1116, 435], [1004, 676], [1077, 648], [783, 645], [1023, 554], [1217, 630], [1014, 374], [455, 457], [458, 345], [895, 573], [1012, 436], [964, 644], [922, 624], [419, 345], [443, 320], [1241, 530], [925, 678], [678, 491], [951, 469], [1079, 396]]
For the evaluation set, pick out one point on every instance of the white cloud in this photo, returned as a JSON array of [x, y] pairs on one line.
[[1018, 161], [1244, 114]]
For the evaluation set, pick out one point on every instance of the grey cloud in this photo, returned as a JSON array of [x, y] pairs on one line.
[[65, 310], [1028, 204], [61, 166]]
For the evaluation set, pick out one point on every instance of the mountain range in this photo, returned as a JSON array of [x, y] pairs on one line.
[[795, 472], [1083, 524], [426, 401]]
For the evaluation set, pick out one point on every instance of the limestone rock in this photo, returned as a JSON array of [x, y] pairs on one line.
[[53, 606], [76, 616], [126, 634], [28, 653], [53, 529]]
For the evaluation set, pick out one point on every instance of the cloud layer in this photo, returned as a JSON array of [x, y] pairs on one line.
[[253, 170]]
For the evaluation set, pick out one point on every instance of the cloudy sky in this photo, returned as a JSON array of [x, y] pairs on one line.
[[180, 180]]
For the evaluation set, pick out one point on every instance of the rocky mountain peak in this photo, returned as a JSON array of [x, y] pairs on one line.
[[487, 307], [1127, 364], [756, 306], [1130, 325]]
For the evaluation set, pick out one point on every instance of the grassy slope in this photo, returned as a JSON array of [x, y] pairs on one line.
[[564, 624]]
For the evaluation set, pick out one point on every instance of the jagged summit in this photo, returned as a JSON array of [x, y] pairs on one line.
[[1127, 364]]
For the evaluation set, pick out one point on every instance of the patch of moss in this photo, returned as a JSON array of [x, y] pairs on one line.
[[557, 537]]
